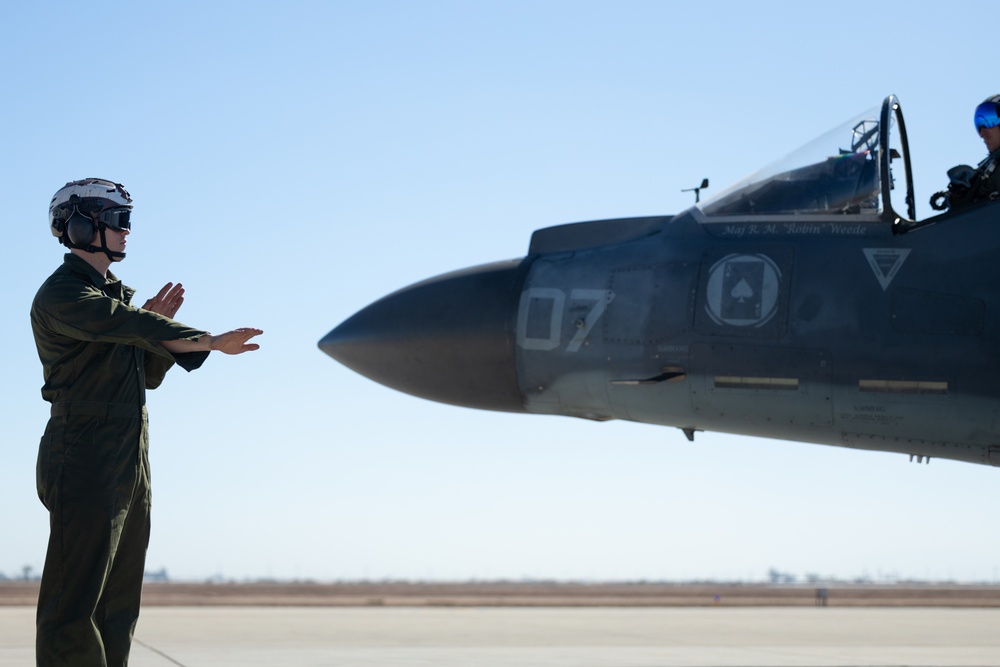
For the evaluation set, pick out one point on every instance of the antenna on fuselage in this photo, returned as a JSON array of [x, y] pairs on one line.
[[697, 190]]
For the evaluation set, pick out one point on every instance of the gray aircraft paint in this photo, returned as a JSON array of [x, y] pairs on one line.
[[854, 326]]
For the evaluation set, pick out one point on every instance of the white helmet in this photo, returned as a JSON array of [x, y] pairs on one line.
[[79, 209]]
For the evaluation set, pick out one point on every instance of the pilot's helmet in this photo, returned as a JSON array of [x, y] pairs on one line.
[[76, 205], [988, 113]]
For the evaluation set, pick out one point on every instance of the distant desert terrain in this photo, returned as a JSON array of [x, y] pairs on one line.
[[517, 594]]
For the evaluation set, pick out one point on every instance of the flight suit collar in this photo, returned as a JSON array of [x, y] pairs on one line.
[[110, 285]]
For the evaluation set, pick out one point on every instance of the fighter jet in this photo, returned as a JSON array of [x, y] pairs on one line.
[[804, 303]]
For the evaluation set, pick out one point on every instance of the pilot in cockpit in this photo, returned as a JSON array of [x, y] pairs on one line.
[[967, 185]]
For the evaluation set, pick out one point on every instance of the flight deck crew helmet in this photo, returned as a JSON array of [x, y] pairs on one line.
[[81, 209], [988, 113]]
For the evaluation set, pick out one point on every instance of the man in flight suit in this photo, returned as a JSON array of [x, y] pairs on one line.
[[99, 355], [969, 186]]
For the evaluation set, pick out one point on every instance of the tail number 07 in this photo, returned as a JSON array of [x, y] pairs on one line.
[[543, 310]]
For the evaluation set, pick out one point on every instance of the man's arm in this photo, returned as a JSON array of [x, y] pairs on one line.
[[168, 301], [75, 309], [231, 342]]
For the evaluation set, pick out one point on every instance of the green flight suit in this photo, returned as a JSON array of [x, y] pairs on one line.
[[99, 354]]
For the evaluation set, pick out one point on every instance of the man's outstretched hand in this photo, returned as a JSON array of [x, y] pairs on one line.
[[235, 341]]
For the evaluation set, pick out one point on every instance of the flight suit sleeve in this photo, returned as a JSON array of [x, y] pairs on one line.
[[82, 312], [156, 367]]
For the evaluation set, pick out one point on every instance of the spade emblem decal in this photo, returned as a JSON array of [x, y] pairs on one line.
[[742, 290]]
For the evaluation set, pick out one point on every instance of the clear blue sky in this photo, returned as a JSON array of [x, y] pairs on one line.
[[292, 162]]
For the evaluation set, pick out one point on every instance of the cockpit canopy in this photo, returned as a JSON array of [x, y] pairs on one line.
[[849, 171]]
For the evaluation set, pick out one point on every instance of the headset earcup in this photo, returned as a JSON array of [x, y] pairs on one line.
[[80, 229]]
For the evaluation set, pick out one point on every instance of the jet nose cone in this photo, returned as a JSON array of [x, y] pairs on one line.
[[448, 339]]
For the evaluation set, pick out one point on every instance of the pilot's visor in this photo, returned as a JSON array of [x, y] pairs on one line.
[[986, 116], [117, 218]]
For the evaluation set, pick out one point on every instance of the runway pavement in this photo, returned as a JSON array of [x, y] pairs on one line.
[[549, 637]]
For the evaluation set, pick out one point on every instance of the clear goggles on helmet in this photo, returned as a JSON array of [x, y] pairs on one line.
[[986, 116]]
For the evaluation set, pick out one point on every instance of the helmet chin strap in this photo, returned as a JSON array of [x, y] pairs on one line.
[[113, 255]]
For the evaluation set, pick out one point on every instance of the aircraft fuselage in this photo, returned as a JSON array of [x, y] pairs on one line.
[[828, 330]]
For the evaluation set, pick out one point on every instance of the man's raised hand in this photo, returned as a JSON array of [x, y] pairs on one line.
[[167, 301]]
